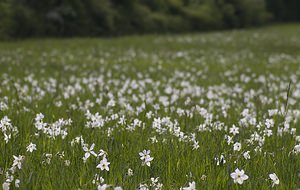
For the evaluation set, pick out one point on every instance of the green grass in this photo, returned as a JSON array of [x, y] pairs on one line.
[[220, 73]]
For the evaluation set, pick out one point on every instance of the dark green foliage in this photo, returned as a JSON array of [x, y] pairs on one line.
[[284, 10], [243, 13], [60, 18]]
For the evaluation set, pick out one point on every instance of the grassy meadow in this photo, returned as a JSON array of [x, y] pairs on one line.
[[152, 112]]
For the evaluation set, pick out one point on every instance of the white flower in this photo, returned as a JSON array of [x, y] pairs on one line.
[[196, 145], [17, 183], [18, 161], [101, 153], [3, 106], [97, 179], [269, 123], [239, 176], [246, 155], [234, 130], [274, 178], [102, 187], [268, 132], [144, 154], [130, 172], [148, 160], [237, 146], [31, 147], [39, 124], [153, 139], [229, 139], [118, 188], [143, 187], [297, 148], [39, 117], [6, 186], [192, 186], [89, 151], [67, 162], [154, 180], [145, 157], [48, 158], [103, 164], [221, 160], [7, 128]]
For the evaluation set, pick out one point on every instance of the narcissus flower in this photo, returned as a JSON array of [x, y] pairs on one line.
[[103, 164], [237, 146], [239, 176], [31, 147], [146, 158], [274, 178]]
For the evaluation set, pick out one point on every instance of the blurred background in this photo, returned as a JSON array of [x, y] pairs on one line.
[[69, 18]]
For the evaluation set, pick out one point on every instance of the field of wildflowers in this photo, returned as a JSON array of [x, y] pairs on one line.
[[199, 111]]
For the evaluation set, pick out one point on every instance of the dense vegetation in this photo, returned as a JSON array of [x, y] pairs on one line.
[[29, 18], [201, 111]]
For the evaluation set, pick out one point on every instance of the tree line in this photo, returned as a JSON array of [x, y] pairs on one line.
[[64, 18]]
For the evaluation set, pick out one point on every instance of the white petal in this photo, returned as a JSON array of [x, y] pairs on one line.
[[245, 177], [239, 180]]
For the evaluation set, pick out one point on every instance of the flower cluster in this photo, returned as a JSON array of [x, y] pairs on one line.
[[54, 129], [7, 128]]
